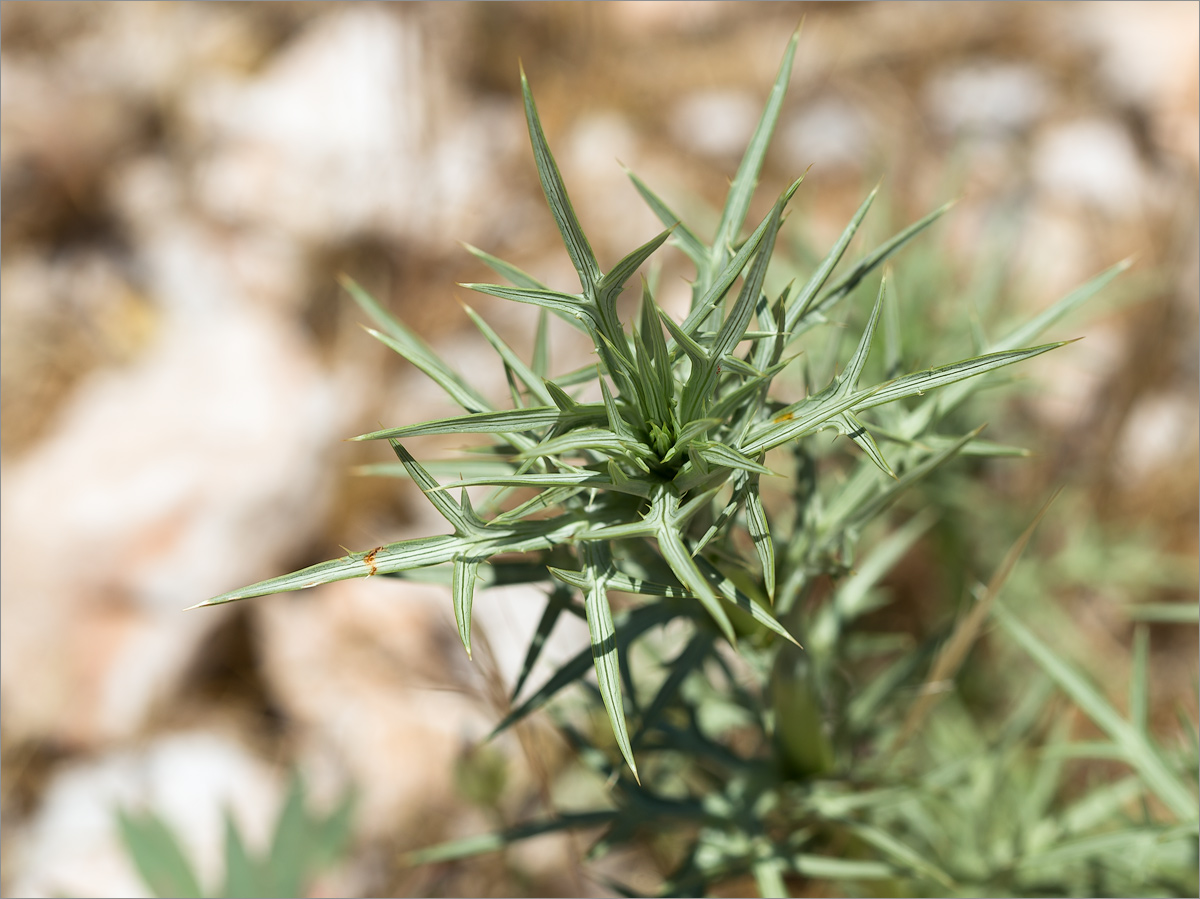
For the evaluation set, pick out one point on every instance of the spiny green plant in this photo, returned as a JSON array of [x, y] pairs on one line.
[[772, 761], [674, 452]]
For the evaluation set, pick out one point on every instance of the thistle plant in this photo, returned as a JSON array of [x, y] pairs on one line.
[[661, 491]]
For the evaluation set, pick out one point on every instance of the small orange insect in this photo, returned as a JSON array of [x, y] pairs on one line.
[[369, 559]]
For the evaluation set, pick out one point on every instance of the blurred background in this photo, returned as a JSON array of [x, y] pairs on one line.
[[182, 183]]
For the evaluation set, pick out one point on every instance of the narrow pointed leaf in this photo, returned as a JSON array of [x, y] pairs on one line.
[[573, 237], [616, 421], [1067, 304], [684, 567], [419, 553], [859, 360], [613, 283], [760, 535], [464, 522], [604, 656], [561, 398], [541, 345], [849, 425], [596, 440], [703, 379], [506, 269], [718, 454], [802, 418], [682, 235], [867, 264], [733, 216], [462, 590], [747, 604], [679, 334], [918, 383], [157, 855], [508, 421], [558, 479], [1142, 755], [511, 359], [799, 306], [568, 307], [494, 842], [733, 268], [406, 342], [241, 873]]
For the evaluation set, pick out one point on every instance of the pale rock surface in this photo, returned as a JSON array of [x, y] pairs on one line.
[[346, 132], [1093, 162], [195, 468], [831, 134], [715, 123], [1159, 433], [988, 98]]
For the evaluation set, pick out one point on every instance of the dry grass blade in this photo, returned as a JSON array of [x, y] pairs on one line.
[[954, 653]]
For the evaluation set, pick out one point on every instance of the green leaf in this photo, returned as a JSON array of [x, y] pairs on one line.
[[405, 342], [611, 285], [804, 417], [1056, 312], [463, 468], [684, 567], [157, 855], [463, 519], [506, 269], [242, 878], [462, 591], [604, 647], [901, 853], [848, 380], [917, 383], [541, 345], [681, 235], [402, 556], [849, 425], [751, 606], [719, 454], [597, 440], [560, 479], [1166, 612], [290, 846], [864, 267], [509, 421], [523, 371], [1139, 687], [733, 268], [698, 391], [616, 421], [573, 237], [568, 307], [822, 867], [799, 306], [760, 535], [332, 833], [733, 216], [1139, 752]]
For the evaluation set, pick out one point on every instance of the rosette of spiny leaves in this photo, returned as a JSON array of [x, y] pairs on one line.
[[642, 491]]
